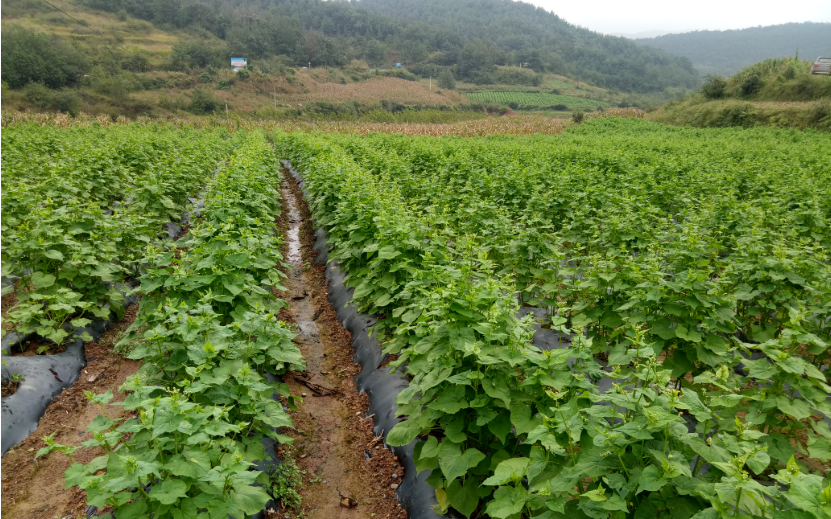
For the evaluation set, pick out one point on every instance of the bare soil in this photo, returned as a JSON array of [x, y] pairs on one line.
[[34, 488], [32, 349], [333, 440], [8, 389]]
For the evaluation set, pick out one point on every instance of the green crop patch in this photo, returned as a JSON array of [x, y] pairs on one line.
[[203, 404], [685, 280], [538, 100], [682, 278], [80, 207]]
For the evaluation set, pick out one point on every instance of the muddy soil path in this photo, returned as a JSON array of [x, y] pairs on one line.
[[334, 443], [34, 488]]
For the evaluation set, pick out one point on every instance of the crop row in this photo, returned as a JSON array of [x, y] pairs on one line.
[[207, 332], [523, 125], [79, 208], [686, 273], [537, 99]]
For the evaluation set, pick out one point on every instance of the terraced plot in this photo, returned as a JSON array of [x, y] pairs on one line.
[[532, 100]]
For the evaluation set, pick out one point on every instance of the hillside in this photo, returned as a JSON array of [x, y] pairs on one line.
[[513, 31], [727, 52], [468, 40], [773, 92], [142, 57]]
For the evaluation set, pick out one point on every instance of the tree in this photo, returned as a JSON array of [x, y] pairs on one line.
[[413, 51], [30, 57], [374, 52], [478, 59], [446, 80]]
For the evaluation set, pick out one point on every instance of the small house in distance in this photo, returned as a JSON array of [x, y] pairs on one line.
[[238, 63]]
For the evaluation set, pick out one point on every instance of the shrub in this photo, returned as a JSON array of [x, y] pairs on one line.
[[714, 87], [155, 83], [173, 103], [115, 86], [225, 84], [203, 103], [751, 84], [517, 76], [743, 115], [67, 101], [577, 116], [30, 57], [358, 65], [243, 74], [400, 73], [561, 108], [819, 115], [135, 63], [207, 76], [446, 80], [38, 96]]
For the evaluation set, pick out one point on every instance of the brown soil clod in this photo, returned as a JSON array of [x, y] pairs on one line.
[[329, 432], [8, 389], [348, 502]]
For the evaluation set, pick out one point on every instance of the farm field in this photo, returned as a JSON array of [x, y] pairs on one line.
[[619, 320], [684, 279], [203, 301], [517, 125], [537, 99]]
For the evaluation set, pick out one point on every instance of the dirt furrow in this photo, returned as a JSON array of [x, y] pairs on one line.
[[35, 488], [348, 472]]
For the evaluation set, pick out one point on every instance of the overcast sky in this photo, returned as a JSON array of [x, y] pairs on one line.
[[633, 16]]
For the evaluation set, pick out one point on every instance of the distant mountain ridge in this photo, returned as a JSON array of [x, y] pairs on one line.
[[727, 52], [639, 35], [540, 37]]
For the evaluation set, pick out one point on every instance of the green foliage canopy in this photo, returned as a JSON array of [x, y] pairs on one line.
[[30, 57]]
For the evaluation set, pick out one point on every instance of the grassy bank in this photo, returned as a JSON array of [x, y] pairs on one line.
[[775, 92], [701, 113]]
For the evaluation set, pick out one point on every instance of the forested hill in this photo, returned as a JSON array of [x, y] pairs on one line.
[[468, 37], [505, 29], [727, 52]]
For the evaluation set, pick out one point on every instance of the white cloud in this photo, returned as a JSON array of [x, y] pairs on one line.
[[616, 16]]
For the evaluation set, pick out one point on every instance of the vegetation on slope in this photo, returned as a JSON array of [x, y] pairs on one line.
[[782, 79], [774, 92], [280, 33], [477, 35]]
